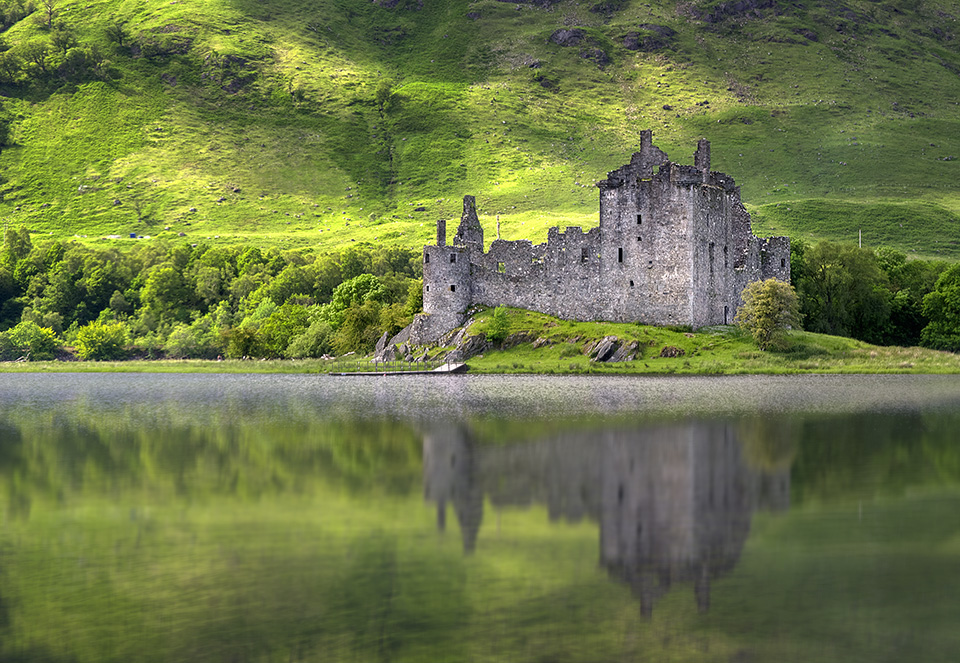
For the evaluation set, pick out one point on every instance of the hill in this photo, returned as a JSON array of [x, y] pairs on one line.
[[323, 123]]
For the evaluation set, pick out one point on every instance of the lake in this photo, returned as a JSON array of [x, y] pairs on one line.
[[479, 518]]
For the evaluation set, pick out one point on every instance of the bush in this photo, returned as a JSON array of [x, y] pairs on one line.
[[31, 340], [102, 341], [244, 342], [499, 325], [316, 341]]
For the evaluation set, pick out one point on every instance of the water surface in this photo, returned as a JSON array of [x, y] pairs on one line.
[[467, 518]]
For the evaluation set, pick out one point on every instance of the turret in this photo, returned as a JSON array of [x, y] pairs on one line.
[[470, 232]]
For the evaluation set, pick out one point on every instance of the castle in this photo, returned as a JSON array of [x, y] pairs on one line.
[[674, 247]]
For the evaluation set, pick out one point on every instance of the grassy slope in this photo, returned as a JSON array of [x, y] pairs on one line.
[[712, 350], [827, 135]]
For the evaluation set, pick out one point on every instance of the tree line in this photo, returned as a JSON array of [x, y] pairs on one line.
[[878, 296], [157, 300]]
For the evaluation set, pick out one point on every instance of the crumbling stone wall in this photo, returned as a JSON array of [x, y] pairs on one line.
[[674, 246]]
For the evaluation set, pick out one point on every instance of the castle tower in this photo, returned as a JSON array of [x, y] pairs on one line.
[[470, 232], [701, 159]]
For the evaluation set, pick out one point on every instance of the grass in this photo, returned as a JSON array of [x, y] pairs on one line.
[[721, 350], [267, 125], [715, 350]]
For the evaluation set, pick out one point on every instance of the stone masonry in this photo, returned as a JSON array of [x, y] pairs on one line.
[[674, 247]]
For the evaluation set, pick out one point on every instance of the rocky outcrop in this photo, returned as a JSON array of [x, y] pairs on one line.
[[649, 38], [568, 37], [715, 13]]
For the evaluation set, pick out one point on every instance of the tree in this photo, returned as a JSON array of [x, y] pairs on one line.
[[49, 12], [117, 33], [942, 307], [283, 325], [33, 341], [100, 341], [844, 292], [16, 246], [769, 308], [166, 293]]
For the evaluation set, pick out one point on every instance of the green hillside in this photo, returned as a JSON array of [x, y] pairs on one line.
[[320, 123]]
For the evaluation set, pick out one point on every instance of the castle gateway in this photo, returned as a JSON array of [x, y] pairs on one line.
[[674, 247]]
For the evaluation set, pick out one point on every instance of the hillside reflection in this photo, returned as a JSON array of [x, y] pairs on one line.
[[673, 502]]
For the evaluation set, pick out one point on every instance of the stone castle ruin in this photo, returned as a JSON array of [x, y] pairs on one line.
[[674, 247]]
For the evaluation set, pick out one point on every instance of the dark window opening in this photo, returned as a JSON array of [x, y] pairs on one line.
[[649, 264], [724, 257], [583, 255], [783, 263], [639, 219], [631, 284], [453, 257], [453, 288], [639, 239], [502, 267], [710, 251], [427, 288], [726, 313], [426, 257], [620, 254]]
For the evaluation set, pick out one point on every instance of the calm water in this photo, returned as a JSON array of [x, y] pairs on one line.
[[479, 518]]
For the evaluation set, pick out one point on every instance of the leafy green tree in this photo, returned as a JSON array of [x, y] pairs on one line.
[[16, 246], [315, 341], [844, 292], [49, 13], [293, 280], [165, 292], [50, 319], [38, 343], [415, 297], [359, 329], [244, 342], [360, 289], [769, 308], [383, 94], [116, 32], [283, 325], [101, 341], [942, 307], [910, 281]]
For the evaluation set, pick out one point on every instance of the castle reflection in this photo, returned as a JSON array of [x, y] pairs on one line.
[[674, 502]]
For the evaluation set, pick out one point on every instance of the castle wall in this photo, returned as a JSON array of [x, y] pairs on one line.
[[559, 277]]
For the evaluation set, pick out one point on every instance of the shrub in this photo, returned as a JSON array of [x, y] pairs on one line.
[[31, 340], [102, 341], [316, 341], [244, 342], [499, 325]]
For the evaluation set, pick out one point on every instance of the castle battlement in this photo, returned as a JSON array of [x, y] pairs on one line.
[[673, 246]]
